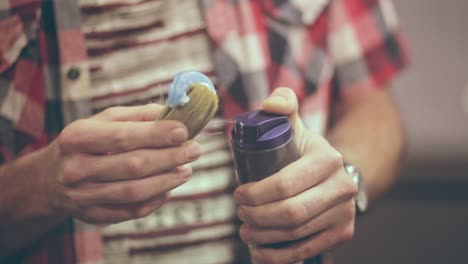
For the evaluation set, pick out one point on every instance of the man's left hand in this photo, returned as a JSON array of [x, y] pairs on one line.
[[311, 201]]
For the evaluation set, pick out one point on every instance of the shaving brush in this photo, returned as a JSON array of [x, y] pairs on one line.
[[192, 100]]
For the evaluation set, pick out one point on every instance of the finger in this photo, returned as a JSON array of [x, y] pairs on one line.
[[305, 249], [109, 214], [338, 214], [129, 165], [93, 137], [284, 101], [147, 112], [131, 191], [295, 178], [299, 209]]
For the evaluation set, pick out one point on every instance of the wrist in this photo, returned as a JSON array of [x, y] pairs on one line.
[[52, 190], [31, 182], [24, 200]]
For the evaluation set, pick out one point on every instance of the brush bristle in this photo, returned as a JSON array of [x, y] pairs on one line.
[[197, 112]]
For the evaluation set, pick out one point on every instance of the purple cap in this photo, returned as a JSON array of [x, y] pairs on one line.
[[260, 130]]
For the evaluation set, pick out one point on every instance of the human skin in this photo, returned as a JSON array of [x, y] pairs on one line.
[[120, 164], [312, 200], [115, 166]]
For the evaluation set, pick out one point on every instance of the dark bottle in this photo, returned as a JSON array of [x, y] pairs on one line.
[[262, 144]]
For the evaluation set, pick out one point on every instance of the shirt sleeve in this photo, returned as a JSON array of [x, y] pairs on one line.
[[365, 45], [21, 78], [13, 40]]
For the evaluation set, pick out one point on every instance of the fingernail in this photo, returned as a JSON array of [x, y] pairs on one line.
[[177, 135], [238, 197], [245, 234], [185, 170], [277, 99], [242, 214], [193, 151]]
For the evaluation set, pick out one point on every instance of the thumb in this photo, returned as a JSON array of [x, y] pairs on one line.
[[284, 101], [148, 112]]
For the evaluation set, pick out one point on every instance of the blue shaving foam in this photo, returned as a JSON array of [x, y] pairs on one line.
[[181, 83]]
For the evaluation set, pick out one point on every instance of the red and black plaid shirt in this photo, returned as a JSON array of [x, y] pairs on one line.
[[326, 51]]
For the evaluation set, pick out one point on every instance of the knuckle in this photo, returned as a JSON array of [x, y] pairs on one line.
[[243, 233], [69, 138], [353, 189], [248, 218], [349, 188], [309, 171], [183, 154], [109, 113], [130, 193], [247, 195], [177, 156], [348, 232], [91, 217], [75, 200], [163, 198], [307, 251], [88, 218], [145, 210], [142, 211], [159, 126], [336, 159], [298, 233], [155, 132], [65, 139], [135, 166], [120, 140], [72, 171], [295, 213], [284, 187], [254, 221]]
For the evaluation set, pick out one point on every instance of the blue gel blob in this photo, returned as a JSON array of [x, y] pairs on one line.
[[181, 83]]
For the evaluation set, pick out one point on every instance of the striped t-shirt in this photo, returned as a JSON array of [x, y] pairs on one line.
[[134, 51]]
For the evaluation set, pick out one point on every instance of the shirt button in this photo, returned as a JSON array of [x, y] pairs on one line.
[[73, 73]]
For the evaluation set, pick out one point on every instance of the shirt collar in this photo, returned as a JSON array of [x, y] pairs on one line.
[[295, 11]]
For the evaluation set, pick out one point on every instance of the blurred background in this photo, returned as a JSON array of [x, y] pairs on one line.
[[424, 219]]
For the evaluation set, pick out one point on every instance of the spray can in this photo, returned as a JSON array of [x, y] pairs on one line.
[[262, 144]]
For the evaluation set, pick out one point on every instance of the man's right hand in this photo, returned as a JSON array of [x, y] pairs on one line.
[[117, 165]]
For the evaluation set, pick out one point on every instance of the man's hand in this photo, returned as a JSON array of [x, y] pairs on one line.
[[310, 201], [118, 165]]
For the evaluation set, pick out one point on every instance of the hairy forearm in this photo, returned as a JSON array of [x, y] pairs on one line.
[[25, 210], [369, 134]]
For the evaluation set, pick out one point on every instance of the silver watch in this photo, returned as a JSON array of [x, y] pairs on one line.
[[361, 196]]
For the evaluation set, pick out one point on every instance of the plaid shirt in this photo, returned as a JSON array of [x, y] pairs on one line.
[[326, 51]]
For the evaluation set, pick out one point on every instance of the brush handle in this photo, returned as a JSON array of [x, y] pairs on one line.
[[192, 100], [196, 113]]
